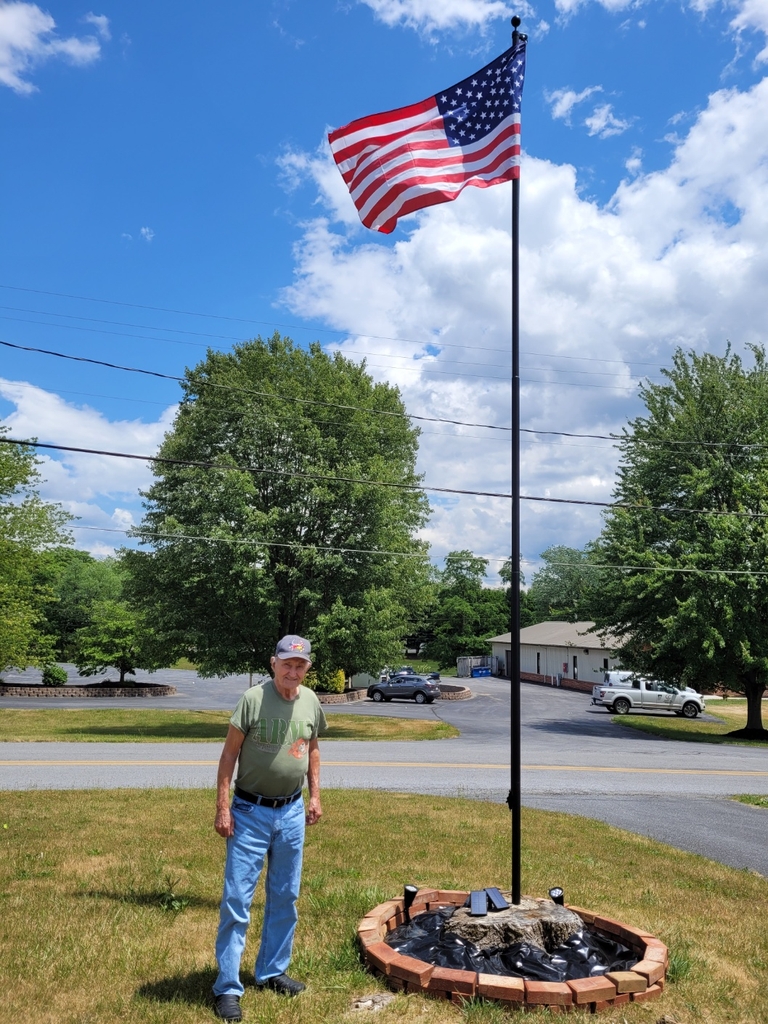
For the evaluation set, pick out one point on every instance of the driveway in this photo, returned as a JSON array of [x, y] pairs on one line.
[[575, 759]]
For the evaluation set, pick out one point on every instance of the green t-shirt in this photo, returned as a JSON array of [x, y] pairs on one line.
[[274, 757]]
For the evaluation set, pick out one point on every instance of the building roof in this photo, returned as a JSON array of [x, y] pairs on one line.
[[558, 634]]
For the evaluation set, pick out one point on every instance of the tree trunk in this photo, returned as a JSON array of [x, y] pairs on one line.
[[121, 666], [754, 692]]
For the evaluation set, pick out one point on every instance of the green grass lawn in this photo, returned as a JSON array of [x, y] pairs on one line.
[[108, 906], [730, 714], [147, 725]]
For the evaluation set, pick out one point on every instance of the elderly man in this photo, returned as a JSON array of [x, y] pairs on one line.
[[273, 732]]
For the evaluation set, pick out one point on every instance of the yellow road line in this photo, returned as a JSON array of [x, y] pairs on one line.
[[431, 765]]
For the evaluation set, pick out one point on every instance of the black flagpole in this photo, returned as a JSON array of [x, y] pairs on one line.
[[513, 800]]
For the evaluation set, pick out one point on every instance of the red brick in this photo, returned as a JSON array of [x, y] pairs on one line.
[[620, 1000], [418, 908], [380, 955], [410, 969], [607, 924], [426, 895], [453, 896], [496, 986], [554, 993], [368, 936], [635, 937], [650, 993], [384, 911], [627, 981], [655, 950], [650, 970], [587, 916], [591, 990], [397, 984], [446, 979]]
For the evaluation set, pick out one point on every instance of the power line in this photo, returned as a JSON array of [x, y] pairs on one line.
[[295, 327], [138, 532], [630, 506], [248, 391]]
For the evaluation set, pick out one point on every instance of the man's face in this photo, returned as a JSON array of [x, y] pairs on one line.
[[290, 672]]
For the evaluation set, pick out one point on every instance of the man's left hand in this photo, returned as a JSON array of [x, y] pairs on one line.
[[314, 811]]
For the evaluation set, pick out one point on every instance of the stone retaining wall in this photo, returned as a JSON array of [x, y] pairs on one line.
[[155, 690], [404, 973], [450, 691], [341, 698]]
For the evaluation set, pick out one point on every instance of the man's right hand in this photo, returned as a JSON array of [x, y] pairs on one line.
[[224, 824]]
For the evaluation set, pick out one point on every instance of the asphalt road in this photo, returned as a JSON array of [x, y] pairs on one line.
[[575, 759]]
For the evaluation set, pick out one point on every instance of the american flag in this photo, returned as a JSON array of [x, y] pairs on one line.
[[426, 153]]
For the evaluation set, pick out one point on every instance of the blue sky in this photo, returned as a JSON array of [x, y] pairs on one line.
[[172, 157]]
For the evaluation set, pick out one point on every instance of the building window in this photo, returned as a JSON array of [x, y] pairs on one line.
[[575, 667], [605, 664], [538, 663]]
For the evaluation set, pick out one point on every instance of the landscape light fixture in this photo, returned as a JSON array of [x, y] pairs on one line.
[[557, 896], [409, 895]]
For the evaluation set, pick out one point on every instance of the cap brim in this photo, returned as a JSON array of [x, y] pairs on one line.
[[284, 655]]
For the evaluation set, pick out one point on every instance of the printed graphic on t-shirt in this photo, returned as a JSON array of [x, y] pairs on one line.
[[270, 734], [299, 749]]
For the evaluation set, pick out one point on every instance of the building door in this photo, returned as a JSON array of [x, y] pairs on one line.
[[575, 667], [508, 660], [538, 663]]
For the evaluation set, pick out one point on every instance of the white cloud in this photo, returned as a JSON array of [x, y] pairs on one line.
[[604, 123], [753, 14], [563, 101], [608, 292], [97, 488], [27, 39], [436, 15], [147, 234], [101, 23]]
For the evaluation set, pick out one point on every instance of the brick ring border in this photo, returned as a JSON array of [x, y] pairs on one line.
[[406, 974]]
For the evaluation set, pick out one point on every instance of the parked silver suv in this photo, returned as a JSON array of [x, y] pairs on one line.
[[405, 687]]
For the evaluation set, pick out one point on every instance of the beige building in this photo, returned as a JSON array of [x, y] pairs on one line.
[[552, 652]]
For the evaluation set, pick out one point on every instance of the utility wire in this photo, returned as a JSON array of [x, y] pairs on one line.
[[138, 532], [249, 391], [666, 509], [295, 327]]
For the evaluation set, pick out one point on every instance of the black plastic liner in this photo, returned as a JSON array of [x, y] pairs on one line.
[[586, 954]]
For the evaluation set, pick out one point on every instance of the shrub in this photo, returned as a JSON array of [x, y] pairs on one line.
[[326, 682], [54, 675]]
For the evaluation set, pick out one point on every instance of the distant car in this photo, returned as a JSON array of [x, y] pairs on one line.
[[404, 670], [405, 687]]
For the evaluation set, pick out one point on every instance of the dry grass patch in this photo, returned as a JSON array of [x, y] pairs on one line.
[[91, 935], [150, 725], [730, 715]]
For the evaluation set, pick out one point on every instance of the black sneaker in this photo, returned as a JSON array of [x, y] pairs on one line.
[[227, 1007], [283, 985]]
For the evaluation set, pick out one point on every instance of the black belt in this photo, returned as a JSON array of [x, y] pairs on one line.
[[267, 801]]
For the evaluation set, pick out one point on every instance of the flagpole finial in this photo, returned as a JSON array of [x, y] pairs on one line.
[[517, 36]]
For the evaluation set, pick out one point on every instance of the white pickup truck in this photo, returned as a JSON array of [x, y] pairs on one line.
[[621, 692]]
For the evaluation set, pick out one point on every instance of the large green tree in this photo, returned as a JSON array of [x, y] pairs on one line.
[[27, 526], [697, 464], [274, 548], [560, 590], [78, 583], [466, 613]]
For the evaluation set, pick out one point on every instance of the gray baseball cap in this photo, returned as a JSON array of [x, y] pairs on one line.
[[293, 647]]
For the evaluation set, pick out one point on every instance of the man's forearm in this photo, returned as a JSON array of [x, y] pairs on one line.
[[224, 779], [313, 773]]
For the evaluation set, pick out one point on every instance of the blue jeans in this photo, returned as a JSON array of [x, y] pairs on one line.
[[278, 835]]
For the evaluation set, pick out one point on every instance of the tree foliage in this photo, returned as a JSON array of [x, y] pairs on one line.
[[115, 637], [703, 446], [27, 526], [466, 613], [78, 582], [560, 591], [268, 559]]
